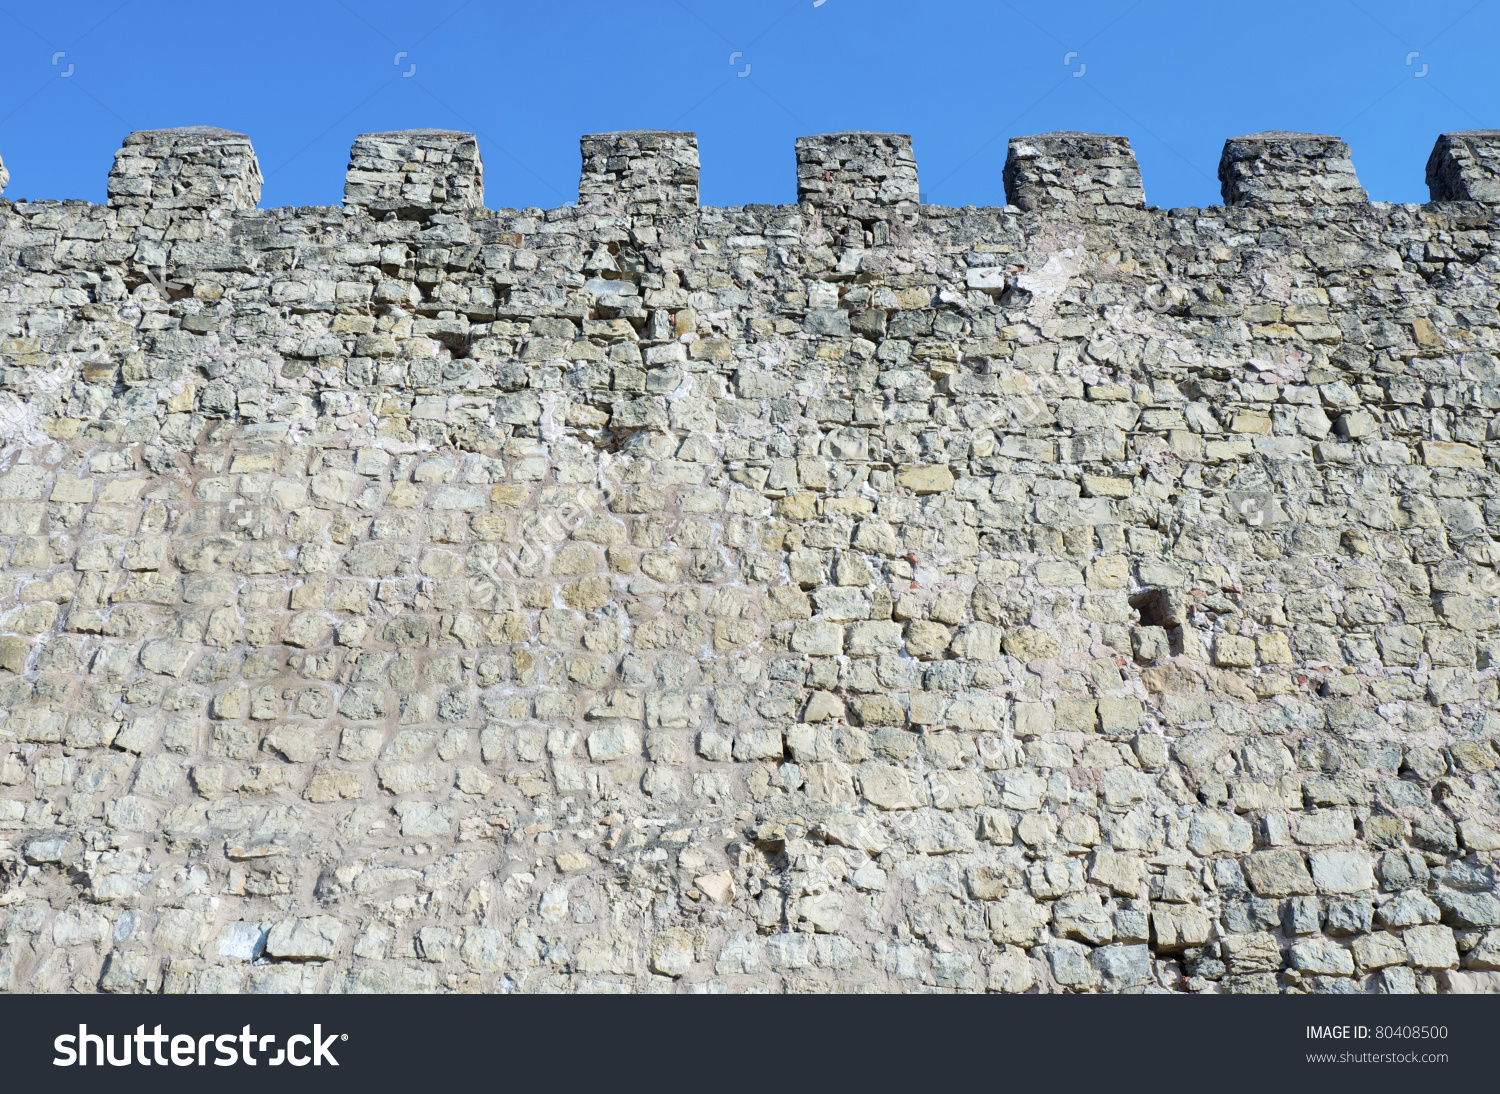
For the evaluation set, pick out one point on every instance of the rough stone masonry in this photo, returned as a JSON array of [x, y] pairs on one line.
[[854, 595]]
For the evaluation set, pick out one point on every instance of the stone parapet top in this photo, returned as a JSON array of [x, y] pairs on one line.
[[1091, 176], [639, 172], [839, 170], [415, 173], [1287, 171], [193, 169], [1465, 167]]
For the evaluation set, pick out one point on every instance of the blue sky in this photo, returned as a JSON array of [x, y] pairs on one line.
[[962, 77]]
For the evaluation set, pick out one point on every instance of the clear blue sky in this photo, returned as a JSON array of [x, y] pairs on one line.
[[302, 79]]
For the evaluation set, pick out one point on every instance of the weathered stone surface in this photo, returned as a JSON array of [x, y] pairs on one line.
[[1322, 956], [194, 170], [846, 595], [314, 938], [1431, 947], [1278, 873], [1091, 175], [1341, 871], [1219, 833], [837, 171], [642, 172]]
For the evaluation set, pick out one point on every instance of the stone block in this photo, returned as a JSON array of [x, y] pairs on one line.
[[1322, 957], [311, 938], [1278, 873], [1465, 166], [1431, 947]]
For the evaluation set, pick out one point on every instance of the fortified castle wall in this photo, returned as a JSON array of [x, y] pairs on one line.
[[852, 595]]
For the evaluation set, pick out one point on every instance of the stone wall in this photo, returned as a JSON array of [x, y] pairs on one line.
[[854, 595]]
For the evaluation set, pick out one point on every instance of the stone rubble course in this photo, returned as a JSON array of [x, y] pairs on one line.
[[855, 595]]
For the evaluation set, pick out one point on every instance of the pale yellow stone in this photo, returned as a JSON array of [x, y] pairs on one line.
[[33, 619], [1251, 421], [1231, 449], [404, 495], [330, 784], [1121, 873], [1102, 486], [926, 640], [848, 507], [718, 887], [73, 488], [1186, 446], [926, 479], [1232, 651], [1273, 648], [121, 491], [803, 506], [509, 495], [1451, 454], [1426, 334], [1109, 572], [823, 706]]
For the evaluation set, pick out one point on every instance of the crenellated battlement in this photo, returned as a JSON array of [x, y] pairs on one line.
[[640, 172], [415, 174], [1466, 167], [839, 170]]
